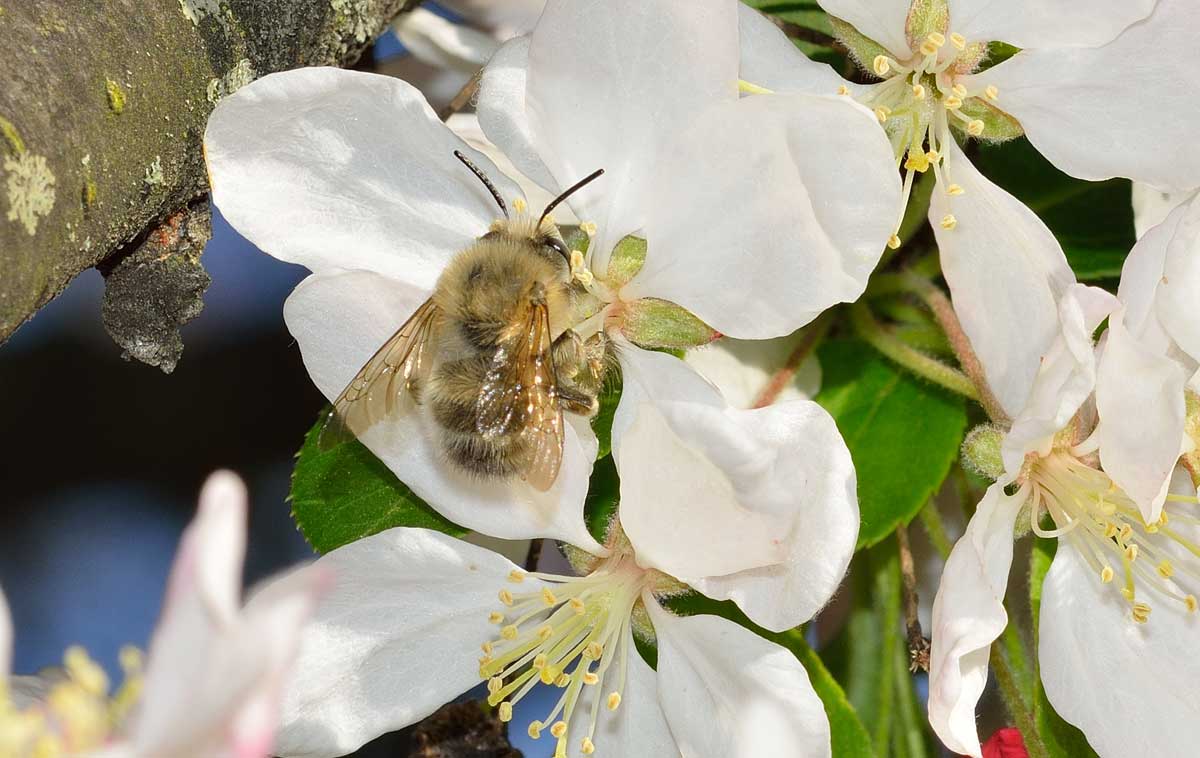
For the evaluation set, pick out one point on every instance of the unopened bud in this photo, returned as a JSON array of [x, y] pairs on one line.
[[981, 451], [655, 324]]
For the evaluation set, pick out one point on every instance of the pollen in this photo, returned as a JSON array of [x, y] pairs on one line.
[[933, 43], [519, 205], [882, 112], [959, 41], [577, 605], [1131, 552], [1189, 602], [948, 221], [917, 161], [559, 729], [548, 597], [487, 648], [509, 632], [506, 712], [545, 632], [594, 650], [952, 103], [590, 678], [496, 617]]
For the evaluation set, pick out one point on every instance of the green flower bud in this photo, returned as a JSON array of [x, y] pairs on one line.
[[659, 324], [981, 451]]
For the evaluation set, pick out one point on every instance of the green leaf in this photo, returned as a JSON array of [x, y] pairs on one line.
[[903, 433], [602, 422], [604, 491], [1062, 740], [1092, 220], [346, 493]]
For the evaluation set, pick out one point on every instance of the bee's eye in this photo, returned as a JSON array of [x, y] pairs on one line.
[[557, 246]]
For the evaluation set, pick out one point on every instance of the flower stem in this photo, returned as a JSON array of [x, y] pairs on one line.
[[910, 358], [918, 646], [1020, 709], [812, 336], [931, 520]]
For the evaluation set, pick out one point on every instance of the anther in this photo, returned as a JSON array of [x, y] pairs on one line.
[[1126, 532], [548, 675], [882, 113], [535, 729], [955, 190], [1127, 593], [932, 43], [516, 576], [952, 103], [487, 648], [519, 205], [587, 747], [918, 91], [917, 161], [959, 90], [614, 701], [540, 661], [588, 228], [559, 729], [949, 221], [933, 156], [509, 632], [1163, 519], [545, 632], [494, 685], [991, 93], [594, 650], [843, 90], [1141, 613], [1165, 569], [959, 41], [496, 617], [506, 597], [563, 680], [1190, 603], [548, 597], [577, 605], [975, 127], [506, 713], [1131, 552], [1106, 574], [893, 242], [1110, 530], [880, 65], [591, 678]]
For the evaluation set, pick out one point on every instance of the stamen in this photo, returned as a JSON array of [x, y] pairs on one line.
[[1106, 575], [959, 41], [959, 91], [516, 576], [588, 228], [506, 712], [614, 701], [1141, 613], [918, 91], [882, 113], [975, 127], [952, 103], [881, 65], [587, 747], [843, 90], [955, 190], [932, 43], [506, 597], [948, 221], [519, 205], [991, 93]]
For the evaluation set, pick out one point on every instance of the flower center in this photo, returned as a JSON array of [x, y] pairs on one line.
[[78, 713], [1107, 529], [571, 633], [918, 102]]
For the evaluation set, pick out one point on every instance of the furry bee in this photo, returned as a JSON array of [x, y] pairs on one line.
[[488, 354]]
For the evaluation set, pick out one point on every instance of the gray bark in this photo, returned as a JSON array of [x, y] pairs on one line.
[[102, 110]]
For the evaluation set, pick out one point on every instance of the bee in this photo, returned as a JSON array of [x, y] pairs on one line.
[[488, 354]]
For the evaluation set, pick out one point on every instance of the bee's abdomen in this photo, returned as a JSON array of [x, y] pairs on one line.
[[454, 402], [485, 457]]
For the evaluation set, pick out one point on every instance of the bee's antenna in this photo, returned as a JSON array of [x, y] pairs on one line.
[[570, 191], [483, 178]]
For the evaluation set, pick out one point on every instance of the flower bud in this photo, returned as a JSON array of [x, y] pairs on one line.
[[656, 324], [981, 451]]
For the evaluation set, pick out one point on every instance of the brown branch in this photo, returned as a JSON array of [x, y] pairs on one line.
[[812, 337], [918, 646], [102, 112]]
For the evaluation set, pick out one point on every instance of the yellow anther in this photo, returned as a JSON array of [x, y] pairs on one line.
[[1163, 519], [563, 680], [959, 90], [959, 41], [1106, 574], [1165, 569], [975, 127], [591, 678], [882, 113], [991, 93], [548, 675], [917, 161], [540, 661], [494, 685], [487, 648], [594, 650], [509, 632], [506, 597], [614, 701], [587, 747], [952, 103], [577, 605], [506, 712], [519, 205], [949, 221], [1152, 529], [1110, 530], [1127, 593], [131, 659], [1190, 603], [1141, 613], [932, 43], [588, 228], [1126, 532], [545, 632], [548, 597], [933, 156], [955, 190], [936, 38], [559, 729], [516, 576], [496, 617], [880, 65], [535, 729], [84, 671], [918, 91], [893, 242], [843, 90], [1131, 552]]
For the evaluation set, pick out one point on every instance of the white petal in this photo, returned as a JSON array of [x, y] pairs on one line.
[[1139, 396], [883, 21], [1122, 109], [769, 59], [341, 169], [396, 637], [1006, 273], [339, 321], [713, 673], [1151, 206], [769, 493], [610, 82], [1046, 23], [638, 727], [742, 369], [968, 615], [438, 42], [1130, 687], [1178, 304], [1065, 378], [757, 246], [502, 114]]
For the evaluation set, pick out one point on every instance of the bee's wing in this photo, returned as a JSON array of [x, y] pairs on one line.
[[385, 379], [520, 391]]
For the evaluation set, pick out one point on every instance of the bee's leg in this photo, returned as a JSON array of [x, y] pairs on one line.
[[598, 358], [577, 401], [568, 354]]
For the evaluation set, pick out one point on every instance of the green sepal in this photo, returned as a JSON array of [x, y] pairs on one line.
[[925, 17], [998, 126], [981, 451], [626, 261], [862, 48], [660, 324], [1191, 427], [346, 493]]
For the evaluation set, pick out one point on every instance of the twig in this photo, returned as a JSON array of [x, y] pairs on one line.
[[918, 646], [463, 98], [534, 554], [812, 337], [907, 356]]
